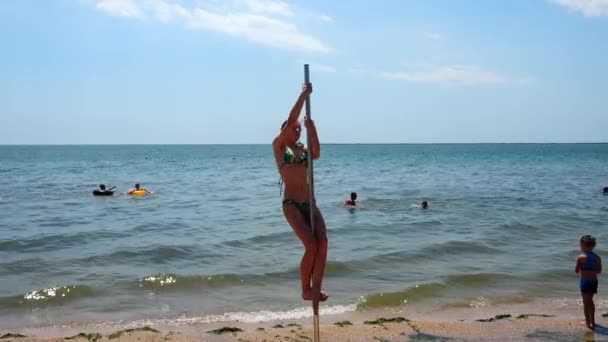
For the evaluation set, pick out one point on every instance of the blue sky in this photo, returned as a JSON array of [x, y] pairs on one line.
[[228, 71]]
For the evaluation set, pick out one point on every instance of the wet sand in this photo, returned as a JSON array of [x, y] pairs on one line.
[[464, 324]]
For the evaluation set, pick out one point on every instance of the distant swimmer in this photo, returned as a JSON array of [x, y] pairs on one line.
[[353, 199], [138, 191], [102, 191], [606, 190], [423, 205], [588, 266], [292, 158]]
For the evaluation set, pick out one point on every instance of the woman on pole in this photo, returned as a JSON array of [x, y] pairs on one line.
[[291, 157]]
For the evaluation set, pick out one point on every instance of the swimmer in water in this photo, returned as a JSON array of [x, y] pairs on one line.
[[138, 188], [103, 191], [353, 199]]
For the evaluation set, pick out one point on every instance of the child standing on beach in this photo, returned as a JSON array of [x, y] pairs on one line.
[[588, 265]]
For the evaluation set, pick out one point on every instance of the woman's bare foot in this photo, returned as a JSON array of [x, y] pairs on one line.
[[585, 324], [307, 295]]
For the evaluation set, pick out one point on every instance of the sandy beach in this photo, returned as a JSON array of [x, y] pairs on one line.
[[508, 323]]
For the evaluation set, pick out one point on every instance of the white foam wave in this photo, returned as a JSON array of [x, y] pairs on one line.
[[245, 317], [479, 302], [577, 302]]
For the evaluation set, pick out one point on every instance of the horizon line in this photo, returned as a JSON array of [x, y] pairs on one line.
[[332, 143]]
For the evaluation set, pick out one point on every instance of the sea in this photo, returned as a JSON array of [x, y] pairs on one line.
[[210, 244]]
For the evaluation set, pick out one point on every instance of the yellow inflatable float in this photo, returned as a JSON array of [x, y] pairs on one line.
[[139, 192]]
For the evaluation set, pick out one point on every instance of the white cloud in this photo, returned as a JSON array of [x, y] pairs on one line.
[[122, 8], [326, 18], [458, 75], [166, 11], [245, 20], [257, 28], [589, 8], [270, 7]]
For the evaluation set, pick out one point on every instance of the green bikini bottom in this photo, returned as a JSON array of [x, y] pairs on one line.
[[302, 206]]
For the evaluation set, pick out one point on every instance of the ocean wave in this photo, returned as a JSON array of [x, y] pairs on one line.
[[516, 227], [414, 293], [173, 281], [477, 279], [450, 248], [425, 291], [182, 282], [159, 254], [60, 222], [42, 243], [460, 247], [481, 301], [30, 265], [239, 316], [275, 237], [339, 268], [150, 227], [48, 296]]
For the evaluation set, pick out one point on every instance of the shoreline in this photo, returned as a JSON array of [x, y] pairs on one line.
[[513, 322]]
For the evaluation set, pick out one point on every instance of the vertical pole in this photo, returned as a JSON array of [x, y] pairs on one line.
[[313, 205]]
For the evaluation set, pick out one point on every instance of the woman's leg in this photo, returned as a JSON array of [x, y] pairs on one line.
[[321, 257], [301, 227]]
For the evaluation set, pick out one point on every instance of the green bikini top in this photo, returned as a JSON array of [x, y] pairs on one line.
[[290, 158]]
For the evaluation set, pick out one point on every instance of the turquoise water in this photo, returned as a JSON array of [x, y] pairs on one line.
[[211, 242]]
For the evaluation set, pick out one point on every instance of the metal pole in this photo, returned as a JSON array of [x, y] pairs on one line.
[[313, 205]]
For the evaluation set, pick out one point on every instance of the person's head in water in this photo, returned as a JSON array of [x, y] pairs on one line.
[[137, 186], [352, 200], [587, 243], [292, 133], [424, 205], [606, 190], [102, 187]]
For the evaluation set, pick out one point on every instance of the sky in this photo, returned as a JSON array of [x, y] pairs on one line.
[[229, 71]]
